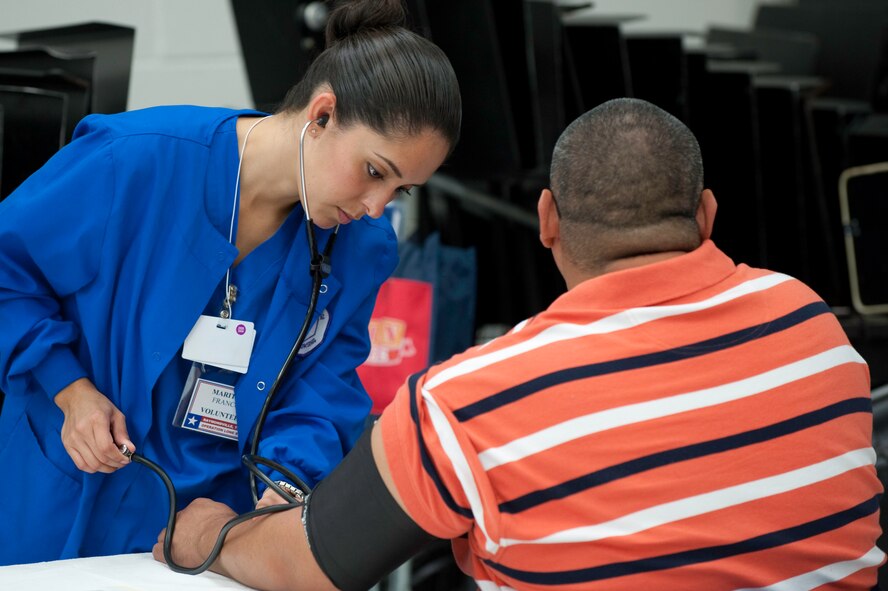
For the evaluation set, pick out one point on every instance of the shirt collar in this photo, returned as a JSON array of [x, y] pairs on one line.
[[655, 283]]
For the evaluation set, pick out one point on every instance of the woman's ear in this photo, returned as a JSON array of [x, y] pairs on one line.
[[322, 107]]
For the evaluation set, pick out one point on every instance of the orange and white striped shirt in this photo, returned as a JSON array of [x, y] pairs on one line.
[[689, 425]]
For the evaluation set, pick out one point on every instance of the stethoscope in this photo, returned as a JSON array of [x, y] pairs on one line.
[[319, 268]]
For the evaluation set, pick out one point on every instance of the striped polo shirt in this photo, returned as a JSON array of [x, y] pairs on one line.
[[690, 424]]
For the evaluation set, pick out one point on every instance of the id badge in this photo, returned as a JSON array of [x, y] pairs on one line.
[[220, 342], [207, 402]]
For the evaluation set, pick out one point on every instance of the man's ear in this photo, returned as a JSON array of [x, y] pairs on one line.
[[550, 224], [706, 214]]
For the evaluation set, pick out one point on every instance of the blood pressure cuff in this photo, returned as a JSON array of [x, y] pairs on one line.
[[356, 530]]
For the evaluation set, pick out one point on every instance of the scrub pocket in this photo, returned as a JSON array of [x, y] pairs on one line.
[[38, 496]]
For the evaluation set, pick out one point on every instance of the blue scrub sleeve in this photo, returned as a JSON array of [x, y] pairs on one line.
[[322, 413], [51, 232]]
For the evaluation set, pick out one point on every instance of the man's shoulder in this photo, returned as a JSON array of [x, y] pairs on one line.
[[477, 373]]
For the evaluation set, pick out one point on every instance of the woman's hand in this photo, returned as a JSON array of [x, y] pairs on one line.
[[93, 428]]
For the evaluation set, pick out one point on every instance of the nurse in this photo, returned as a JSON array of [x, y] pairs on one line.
[[157, 227]]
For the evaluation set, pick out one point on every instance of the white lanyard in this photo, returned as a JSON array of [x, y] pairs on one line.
[[231, 290]]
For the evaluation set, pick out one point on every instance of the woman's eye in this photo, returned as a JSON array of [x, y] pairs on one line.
[[373, 172], [403, 191]]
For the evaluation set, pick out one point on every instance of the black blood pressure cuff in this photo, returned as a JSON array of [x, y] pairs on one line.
[[356, 530]]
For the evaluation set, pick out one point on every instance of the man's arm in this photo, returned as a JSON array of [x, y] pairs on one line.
[[272, 552], [268, 553]]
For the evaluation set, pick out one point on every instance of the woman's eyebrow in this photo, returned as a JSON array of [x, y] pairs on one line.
[[393, 166]]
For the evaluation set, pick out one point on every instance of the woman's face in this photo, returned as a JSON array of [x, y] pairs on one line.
[[352, 172]]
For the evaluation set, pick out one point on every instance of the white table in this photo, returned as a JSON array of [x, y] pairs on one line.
[[124, 572]]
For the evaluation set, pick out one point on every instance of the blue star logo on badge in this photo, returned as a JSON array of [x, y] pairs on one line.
[[193, 420]]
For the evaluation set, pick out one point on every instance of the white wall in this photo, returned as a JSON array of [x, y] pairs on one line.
[[187, 51], [684, 15]]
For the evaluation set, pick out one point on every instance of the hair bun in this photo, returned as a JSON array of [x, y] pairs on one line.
[[351, 17]]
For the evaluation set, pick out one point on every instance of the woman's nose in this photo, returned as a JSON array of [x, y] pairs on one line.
[[375, 204]]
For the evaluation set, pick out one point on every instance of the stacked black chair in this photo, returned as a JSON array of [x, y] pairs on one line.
[[507, 58], [110, 45], [600, 55], [849, 33], [729, 74], [794, 215], [44, 93], [658, 66], [51, 81], [34, 129], [796, 52], [790, 210], [53, 72], [724, 115], [852, 61]]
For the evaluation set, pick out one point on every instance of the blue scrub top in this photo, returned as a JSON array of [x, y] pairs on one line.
[[109, 254]]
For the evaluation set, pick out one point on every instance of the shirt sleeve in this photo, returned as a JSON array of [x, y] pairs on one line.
[[51, 231], [425, 454]]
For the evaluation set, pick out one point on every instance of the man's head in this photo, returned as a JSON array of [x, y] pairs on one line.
[[626, 180]]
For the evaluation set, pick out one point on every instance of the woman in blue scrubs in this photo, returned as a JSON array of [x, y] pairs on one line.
[[145, 223]]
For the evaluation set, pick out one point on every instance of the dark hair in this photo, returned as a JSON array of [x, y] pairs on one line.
[[383, 76], [627, 178]]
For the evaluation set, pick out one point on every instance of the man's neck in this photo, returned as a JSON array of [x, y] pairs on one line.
[[574, 276]]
